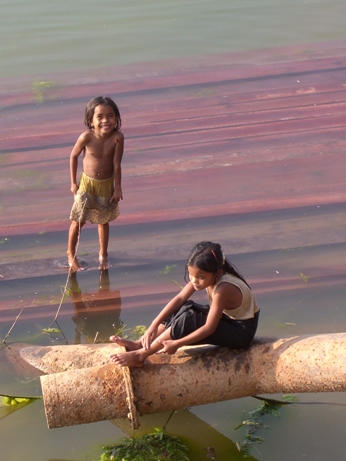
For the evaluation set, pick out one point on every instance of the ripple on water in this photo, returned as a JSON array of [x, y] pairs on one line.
[[63, 264]]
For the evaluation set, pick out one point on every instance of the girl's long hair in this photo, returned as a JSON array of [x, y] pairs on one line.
[[208, 257], [100, 101]]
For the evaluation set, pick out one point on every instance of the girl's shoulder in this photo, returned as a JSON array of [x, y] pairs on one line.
[[83, 140], [229, 294], [118, 135], [86, 136], [227, 285], [230, 283]]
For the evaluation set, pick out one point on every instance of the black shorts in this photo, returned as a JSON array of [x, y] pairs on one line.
[[235, 334]]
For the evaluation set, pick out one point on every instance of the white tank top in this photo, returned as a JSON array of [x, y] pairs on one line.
[[248, 307]]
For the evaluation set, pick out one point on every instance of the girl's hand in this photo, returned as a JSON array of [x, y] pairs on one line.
[[117, 195], [149, 337], [169, 346], [74, 189]]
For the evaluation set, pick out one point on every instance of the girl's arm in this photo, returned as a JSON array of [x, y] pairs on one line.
[[221, 296], [76, 151], [118, 155], [173, 306]]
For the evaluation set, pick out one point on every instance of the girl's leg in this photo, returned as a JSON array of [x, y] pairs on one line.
[[103, 230], [133, 345], [137, 357], [73, 237]]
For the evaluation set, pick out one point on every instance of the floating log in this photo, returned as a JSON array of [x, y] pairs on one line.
[[193, 376]]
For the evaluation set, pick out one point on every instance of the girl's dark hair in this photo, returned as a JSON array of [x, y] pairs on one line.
[[101, 101], [208, 257]]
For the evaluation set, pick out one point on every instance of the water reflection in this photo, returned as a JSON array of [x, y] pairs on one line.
[[96, 315]]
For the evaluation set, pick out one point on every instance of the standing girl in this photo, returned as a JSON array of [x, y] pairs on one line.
[[98, 192], [230, 319]]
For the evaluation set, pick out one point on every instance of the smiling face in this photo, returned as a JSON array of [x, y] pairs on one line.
[[200, 279], [104, 120]]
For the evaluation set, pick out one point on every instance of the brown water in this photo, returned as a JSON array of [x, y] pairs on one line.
[[243, 148]]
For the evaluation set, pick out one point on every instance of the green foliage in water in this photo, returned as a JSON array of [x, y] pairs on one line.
[[137, 332], [255, 421], [133, 334], [48, 331], [167, 269], [10, 400], [42, 89], [11, 403], [157, 446]]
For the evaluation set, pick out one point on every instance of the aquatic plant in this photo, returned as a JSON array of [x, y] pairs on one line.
[[133, 334], [11, 400], [156, 446], [40, 89], [11, 403], [48, 331], [168, 269], [304, 277], [255, 421]]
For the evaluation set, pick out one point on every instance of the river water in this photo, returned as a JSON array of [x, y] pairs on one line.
[[40, 38], [293, 257]]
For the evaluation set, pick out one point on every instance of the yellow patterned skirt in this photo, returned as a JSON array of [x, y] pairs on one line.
[[91, 203]]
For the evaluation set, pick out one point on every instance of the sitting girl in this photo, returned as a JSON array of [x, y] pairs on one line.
[[230, 319]]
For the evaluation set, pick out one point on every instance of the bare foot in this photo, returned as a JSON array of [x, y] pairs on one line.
[[128, 359], [73, 264], [104, 265], [127, 343]]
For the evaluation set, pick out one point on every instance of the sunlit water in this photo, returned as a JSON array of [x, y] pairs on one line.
[[42, 38]]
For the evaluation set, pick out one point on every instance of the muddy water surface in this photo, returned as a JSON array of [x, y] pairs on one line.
[[244, 148]]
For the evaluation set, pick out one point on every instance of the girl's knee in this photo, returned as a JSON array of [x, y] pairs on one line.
[[77, 225]]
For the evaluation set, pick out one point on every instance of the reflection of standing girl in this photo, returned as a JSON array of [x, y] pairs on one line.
[[229, 320], [96, 315]]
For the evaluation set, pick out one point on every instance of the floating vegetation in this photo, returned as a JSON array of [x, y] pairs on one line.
[[11, 403], [304, 277], [11, 400], [49, 331], [138, 331], [40, 89], [4, 240], [156, 446], [70, 291], [168, 269], [133, 334], [254, 422]]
